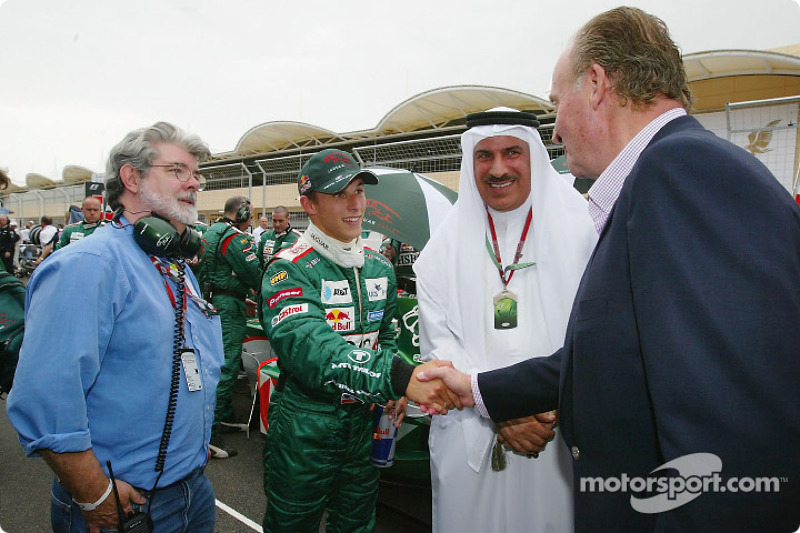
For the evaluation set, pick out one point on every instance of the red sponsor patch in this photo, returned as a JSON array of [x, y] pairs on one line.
[[338, 157], [286, 293]]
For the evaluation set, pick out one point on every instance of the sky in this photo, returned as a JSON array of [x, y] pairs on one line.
[[77, 75]]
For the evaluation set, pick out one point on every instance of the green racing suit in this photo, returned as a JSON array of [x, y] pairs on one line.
[[229, 268], [331, 328], [77, 231], [271, 243]]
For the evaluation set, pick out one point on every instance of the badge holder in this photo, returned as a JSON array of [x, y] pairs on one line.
[[505, 310]]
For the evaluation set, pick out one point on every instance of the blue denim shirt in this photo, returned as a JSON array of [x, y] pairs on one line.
[[95, 365]]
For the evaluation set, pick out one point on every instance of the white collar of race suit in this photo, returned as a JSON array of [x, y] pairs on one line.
[[345, 254]]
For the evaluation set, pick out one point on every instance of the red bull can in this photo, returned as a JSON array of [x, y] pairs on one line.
[[383, 439]]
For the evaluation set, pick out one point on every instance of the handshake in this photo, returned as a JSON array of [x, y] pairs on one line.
[[438, 387]]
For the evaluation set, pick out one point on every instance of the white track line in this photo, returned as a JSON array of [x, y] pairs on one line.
[[240, 517]]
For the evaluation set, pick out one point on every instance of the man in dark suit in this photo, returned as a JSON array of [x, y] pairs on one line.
[[683, 344]]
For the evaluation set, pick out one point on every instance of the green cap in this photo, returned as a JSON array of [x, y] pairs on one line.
[[330, 171]]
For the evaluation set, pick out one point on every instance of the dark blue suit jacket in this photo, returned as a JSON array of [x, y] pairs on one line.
[[684, 338]]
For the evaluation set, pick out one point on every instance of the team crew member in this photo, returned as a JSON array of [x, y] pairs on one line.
[[229, 270], [47, 238], [92, 210], [263, 225], [281, 235], [327, 306], [106, 394], [8, 241], [403, 256], [200, 227], [388, 251]]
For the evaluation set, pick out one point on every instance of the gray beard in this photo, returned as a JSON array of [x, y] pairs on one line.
[[168, 208]]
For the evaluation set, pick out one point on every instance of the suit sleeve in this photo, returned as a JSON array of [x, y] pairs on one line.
[[523, 389], [314, 355]]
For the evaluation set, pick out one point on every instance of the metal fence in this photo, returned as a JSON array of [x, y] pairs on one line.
[[768, 129], [227, 176], [282, 170], [439, 154], [33, 204]]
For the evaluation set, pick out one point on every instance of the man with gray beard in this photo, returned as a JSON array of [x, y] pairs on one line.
[[131, 381]]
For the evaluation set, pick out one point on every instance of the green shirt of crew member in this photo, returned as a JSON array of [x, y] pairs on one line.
[[92, 211]]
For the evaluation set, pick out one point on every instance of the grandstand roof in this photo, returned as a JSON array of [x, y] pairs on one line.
[[439, 107], [725, 63], [76, 174], [719, 77], [433, 109], [37, 181], [280, 135]]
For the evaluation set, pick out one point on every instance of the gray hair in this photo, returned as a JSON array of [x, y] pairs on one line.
[[137, 150], [638, 54]]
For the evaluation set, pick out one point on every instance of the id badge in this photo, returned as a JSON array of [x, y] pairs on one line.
[[505, 310], [193, 378]]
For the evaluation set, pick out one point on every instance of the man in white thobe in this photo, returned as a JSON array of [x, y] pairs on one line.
[[495, 285]]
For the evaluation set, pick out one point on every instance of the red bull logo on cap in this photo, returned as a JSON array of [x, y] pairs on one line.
[[340, 318], [304, 183]]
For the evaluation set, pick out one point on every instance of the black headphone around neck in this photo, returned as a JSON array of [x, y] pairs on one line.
[[155, 235]]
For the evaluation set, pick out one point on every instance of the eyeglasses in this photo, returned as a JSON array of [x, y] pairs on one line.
[[182, 173]]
